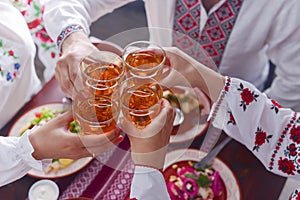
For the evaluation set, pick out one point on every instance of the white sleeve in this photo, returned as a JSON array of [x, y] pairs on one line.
[[271, 132], [283, 50], [60, 14], [15, 158], [148, 184]]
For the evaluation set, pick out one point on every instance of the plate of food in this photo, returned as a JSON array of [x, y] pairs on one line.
[[59, 167], [191, 113], [215, 182]]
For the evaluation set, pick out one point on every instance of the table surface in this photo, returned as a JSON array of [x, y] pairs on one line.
[[254, 180]]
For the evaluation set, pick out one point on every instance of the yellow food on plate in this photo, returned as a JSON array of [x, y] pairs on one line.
[[58, 164]]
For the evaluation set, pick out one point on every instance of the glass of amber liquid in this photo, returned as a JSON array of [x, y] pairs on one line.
[[140, 100], [144, 59], [102, 72], [95, 114]]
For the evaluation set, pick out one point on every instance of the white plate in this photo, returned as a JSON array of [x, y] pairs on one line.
[[232, 186], [23, 121]]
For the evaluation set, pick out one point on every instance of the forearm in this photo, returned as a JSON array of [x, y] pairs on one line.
[[259, 123], [60, 14], [187, 70]]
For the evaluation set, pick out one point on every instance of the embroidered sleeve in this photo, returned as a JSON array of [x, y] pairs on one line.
[[271, 132], [295, 195], [66, 32]]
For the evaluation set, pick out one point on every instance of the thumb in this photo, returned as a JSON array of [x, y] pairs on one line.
[[65, 118]]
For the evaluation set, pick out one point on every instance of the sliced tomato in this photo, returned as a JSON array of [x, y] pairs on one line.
[[38, 114]]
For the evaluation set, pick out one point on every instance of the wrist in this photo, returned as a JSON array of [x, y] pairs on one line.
[[153, 159], [34, 143], [66, 33]]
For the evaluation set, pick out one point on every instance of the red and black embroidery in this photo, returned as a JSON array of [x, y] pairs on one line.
[[247, 96], [280, 140], [291, 151], [220, 99], [260, 138], [287, 166], [231, 119], [275, 106], [216, 31], [295, 195], [295, 134]]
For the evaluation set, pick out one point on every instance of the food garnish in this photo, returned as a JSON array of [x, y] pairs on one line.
[[185, 101], [58, 164], [189, 183], [40, 119]]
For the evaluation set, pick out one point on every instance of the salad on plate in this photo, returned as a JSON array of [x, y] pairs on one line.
[[42, 117]]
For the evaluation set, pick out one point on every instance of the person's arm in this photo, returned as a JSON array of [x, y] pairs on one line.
[[15, 158], [67, 23], [269, 131], [148, 151], [61, 14], [20, 154], [283, 50]]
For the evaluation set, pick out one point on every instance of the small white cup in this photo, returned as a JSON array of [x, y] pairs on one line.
[[43, 190]]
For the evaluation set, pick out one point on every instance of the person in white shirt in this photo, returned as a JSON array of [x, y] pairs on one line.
[[272, 134], [241, 36], [21, 28]]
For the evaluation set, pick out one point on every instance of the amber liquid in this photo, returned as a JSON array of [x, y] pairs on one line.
[[146, 63], [103, 79], [142, 103], [96, 116]]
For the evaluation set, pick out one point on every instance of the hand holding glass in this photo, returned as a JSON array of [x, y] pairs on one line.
[[95, 115], [102, 71], [141, 100]]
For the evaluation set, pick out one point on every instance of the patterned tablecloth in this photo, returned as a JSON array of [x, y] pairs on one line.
[[107, 177]]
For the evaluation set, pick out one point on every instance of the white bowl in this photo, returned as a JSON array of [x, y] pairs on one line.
[[43, 190]]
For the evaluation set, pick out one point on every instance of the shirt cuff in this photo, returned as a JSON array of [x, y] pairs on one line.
[[66, 32], [219, 108], [148, 183], [25, 151]]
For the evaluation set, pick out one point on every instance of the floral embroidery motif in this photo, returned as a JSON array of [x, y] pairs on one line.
[[295, 195], [33, 11], [275, 106], [231, 119], [295, 134], [260, 138], [9, 63], [287, 166], [280, 140], [247, 96], [291, 150]]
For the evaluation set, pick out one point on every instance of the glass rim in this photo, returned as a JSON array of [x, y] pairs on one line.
[[97, 80], [94, 87], [147, 42]]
